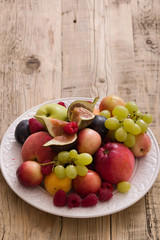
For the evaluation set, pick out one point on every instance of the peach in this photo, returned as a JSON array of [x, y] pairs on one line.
[[90, 183], [96, 111], [109, 102], [88, 141], [142, 145], [29, 174], [33, 148]]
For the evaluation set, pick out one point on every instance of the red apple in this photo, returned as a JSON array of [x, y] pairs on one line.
[[109, 102], [29, 174], [88, 141], [33, 148], [90, 183], [142, 145], [114, 162]]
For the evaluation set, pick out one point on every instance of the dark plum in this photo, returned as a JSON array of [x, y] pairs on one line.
[[22, 131], [98, 125]]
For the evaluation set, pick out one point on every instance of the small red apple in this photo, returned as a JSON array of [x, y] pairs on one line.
[[88, 141], [29, 174], [109, 102], [114, 162], [33, 148], [142, 145], [90, 183]]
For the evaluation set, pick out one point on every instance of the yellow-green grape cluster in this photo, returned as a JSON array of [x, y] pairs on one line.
[[71, 163], [127, 122]]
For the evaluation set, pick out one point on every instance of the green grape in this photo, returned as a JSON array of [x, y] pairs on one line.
[[123, 187], [111, 123], [147, 118], [138, 113], [132, 107], [84, 159], [128, 124], [136, 130], [71, 171], [130, 140], [143, 125], [120, 112], [60, 171], [63, 156], [105, 113], [81, 170], [120, 134], [73, 153]]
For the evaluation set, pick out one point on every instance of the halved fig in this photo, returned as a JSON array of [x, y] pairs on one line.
[[53, 126], [79, 103], [82, 117], [64, 142]]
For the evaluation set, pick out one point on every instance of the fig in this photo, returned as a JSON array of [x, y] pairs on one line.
[[64, 142], [82, 117], [84, 104], [53, 126]]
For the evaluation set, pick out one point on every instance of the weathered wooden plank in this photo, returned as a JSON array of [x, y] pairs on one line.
[[146, 21], [30, 73]]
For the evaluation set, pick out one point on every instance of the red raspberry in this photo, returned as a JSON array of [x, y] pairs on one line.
[[107, 185], [70, 128], [90, 200], [73, 200], [46, 169], [35, 125], [60, 198], [62, 104], [104, 194]]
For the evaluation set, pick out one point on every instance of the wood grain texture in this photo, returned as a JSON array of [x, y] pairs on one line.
[[52, 49]]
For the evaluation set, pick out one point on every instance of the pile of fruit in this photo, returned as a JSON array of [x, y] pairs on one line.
[[80, 154]]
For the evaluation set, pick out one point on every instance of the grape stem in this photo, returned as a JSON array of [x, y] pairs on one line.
[[43, 164]]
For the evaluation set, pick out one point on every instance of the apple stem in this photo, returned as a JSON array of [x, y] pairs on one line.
[[106, 152]]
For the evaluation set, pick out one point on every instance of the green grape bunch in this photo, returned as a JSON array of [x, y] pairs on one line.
[[127, 122], [71, 163]]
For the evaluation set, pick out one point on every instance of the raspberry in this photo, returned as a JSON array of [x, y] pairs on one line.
[[60, 198], [46, 169], [62, 104], [107, 185], [70, 128], [90, 200], [35, 125], [73, 200], [104, 194]]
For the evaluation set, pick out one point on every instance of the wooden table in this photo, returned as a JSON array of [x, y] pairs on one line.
[[52, 49]]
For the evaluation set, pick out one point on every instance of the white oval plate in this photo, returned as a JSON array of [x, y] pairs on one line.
[[145, 174]]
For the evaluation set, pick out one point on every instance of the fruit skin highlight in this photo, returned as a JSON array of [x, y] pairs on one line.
[[109, 102], [114, 162], [33, 148], [52, 183]]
